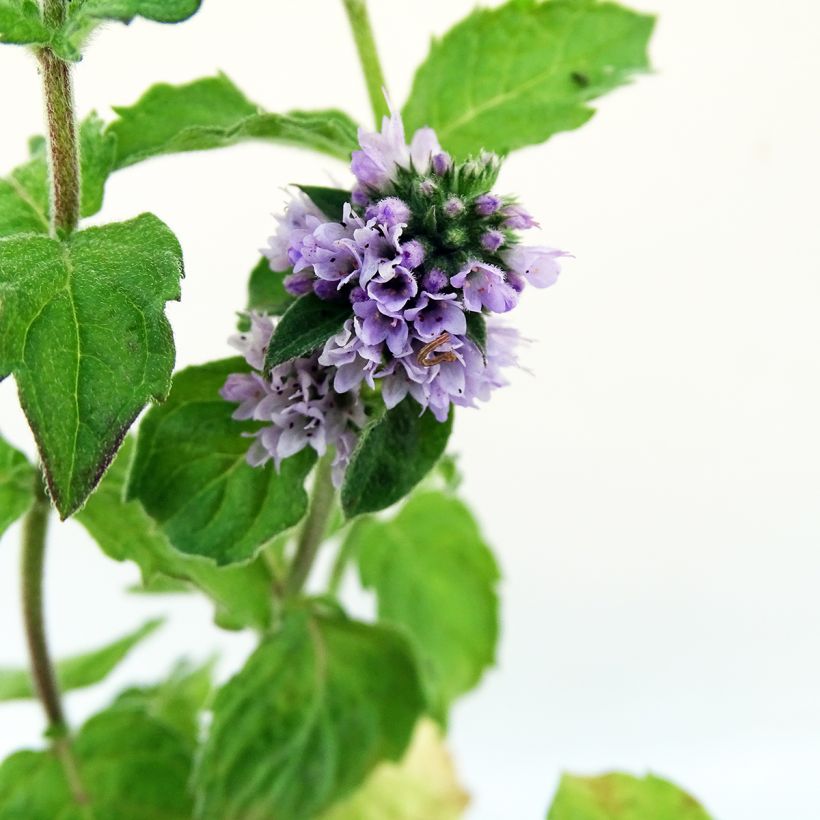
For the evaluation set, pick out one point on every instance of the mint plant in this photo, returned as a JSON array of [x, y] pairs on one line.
[[373, 315]]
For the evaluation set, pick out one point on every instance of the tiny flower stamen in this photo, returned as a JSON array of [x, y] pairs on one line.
[[428, 357]]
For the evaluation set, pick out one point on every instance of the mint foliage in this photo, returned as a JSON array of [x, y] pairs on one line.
[[618, 796], [83, 330], [124, 531], [17, 479], [212, 113], [512, 76], [191, 475], [394, 453], [330, 201], [435, 578], [22, 24], [130, 766], [319, 704], [79, 671], [266, 290], [305, 326]]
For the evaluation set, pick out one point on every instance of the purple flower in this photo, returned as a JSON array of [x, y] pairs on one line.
[[441, 163], [389, 212], [297, 402], [538, 265], [434, 280], [484, 287], [435, 314], [487, 204], [517, 218], [393, 294], [374, 326], [492, 240], [454, 206]]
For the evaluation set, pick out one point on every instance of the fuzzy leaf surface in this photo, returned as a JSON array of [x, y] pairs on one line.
[[515, 75], [212, 113], [83, 329], [304, 327], [125, 531], [131, 766], [318, 705], [330, 201], [435, 578], [17, 479], [79, 671], [191, 475], [394, 453], [22, 24], [266, 290], [618, 796]]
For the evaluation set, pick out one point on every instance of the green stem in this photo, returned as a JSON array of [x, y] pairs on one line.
[[315, 526], [337, 574], [368, 56], [62, 130], [35, 527]]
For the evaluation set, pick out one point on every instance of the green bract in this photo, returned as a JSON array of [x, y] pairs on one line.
[[317, 706], [83, 330], [191, 475], [515, 75]]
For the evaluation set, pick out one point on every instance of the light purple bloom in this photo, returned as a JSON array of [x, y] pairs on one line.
[[517, 218], [374, 326], [538, 265], [484, 287], [435, 314], [492, 241], [487, 204], [393, 294]]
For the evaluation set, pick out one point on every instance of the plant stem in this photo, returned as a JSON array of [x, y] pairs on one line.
[[368, 56], [35, 527], [62, 130], [310, 536]]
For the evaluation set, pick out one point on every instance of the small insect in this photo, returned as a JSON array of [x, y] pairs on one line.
[[579, 79], [427, 356]]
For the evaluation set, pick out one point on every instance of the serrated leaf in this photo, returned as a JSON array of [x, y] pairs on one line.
[[177, 701], [191, 474], [79, 671], [304, 327], [84, 16], [22, 24], [435, 578], [24, 199], [394, 453], [130, 767], [317, 706], [618, 796], [330, 201], [83, 330], [515, 75], [212, 113], [423, 785], [17, 485], [266, 290], [124, 531]]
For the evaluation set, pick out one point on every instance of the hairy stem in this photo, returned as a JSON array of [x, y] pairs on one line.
[[314, 527], [35, 527], [61, 126], [368, 56]]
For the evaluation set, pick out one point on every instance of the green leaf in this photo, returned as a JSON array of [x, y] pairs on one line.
[[435, 578], [191, 475], [394, 453], [304, 327], [318, 705], [97, 153], [130, 767], [477, 331], [618, 796], [79, 671], [212, 113], [17, 485], [266, 290], [21, 23], [423, 785], [24, 198], [124, 531], [177, 701], [86, 15], [330, 201], [515, 75], [83, 330]]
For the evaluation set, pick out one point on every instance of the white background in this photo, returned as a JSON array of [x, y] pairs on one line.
[[652, 490]]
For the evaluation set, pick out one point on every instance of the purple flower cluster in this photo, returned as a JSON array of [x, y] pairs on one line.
[[425, 253], [297, 401]]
